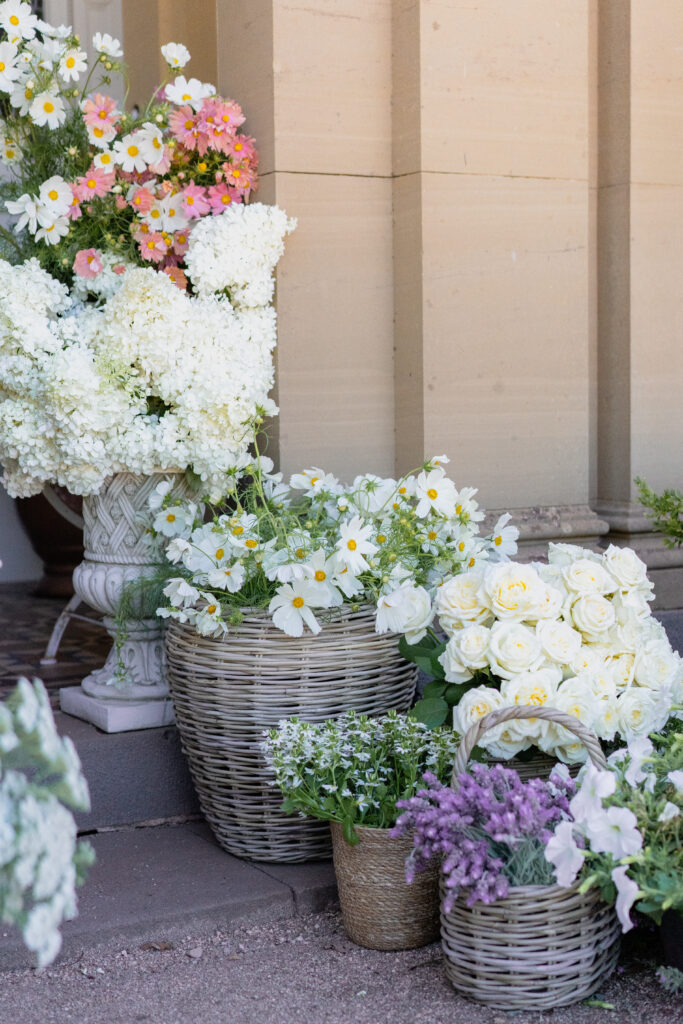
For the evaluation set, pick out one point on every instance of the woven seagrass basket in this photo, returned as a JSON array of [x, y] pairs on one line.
[[544, 945], [379, 909], [227, 691]]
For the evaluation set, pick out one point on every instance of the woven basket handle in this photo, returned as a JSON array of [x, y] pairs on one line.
[[494, 718]]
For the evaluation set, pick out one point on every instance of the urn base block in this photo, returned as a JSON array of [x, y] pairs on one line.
[[116, 716]]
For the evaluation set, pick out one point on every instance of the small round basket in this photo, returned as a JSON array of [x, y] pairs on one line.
[[544, 945], [227, 691]]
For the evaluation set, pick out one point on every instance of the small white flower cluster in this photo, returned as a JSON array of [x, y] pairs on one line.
[[237, 252], [389, 542], [40, 860], [576, 634], [152, 378]]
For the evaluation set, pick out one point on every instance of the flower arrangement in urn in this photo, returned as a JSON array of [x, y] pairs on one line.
[[136, 330], [576, 634]]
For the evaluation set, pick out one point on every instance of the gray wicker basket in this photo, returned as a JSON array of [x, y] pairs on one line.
[[544, 945], [227, 691]]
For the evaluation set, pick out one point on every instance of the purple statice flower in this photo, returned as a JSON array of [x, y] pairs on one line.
[[489, 832]]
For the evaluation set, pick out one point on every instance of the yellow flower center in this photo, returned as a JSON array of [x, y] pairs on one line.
[[225, 118], [211, 609], [461, 545], [181, 239], [498, 540], [151, 244], [300, 553], [238, 147], [70, 62], [432, 535], [2, 66], [28, 93], [91, 183], [251, 543], [226, 199], [105, 158], [133, 151], [395, 505], [98, 133], [53, 194], [102, 114], [155, 214], [219, 553], [156, 143], [13, 20], [471, 562], [187, 96], [381, 538], [189, 200], [458, 509], [238, 530], [351, 545], [432, 493], [202, 166], [320, 575], [9, 153], [170, 518], [298, 602], [236, 173], [48, 107]]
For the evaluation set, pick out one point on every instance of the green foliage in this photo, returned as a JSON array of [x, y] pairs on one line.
[[665, 510], [435, 708], [671, 980]]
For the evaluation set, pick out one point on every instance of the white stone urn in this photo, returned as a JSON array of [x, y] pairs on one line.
[[130, 690]]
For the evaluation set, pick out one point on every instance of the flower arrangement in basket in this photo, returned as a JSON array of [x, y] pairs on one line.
[[305, 548], [136, 330], [512, 937], [353, 772], [576, 634]]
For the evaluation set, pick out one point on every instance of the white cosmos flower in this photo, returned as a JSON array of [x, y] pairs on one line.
[[107, 45], [292, 606], [314, 480], [47, 109], [18, 20], [177, 550], [435, 492], [180, 593], [344, 579], [670, 811], [227, 577], [26, 209], [192, 92], [175, 54], [23, 95], [73, 64], [53, 232], [320, 570], [105, 160], [354, 544], [613, 831], [209, 621], [9, 69], [128, 153], [172, 215], [562, 852], [156, 498], [56, 196], [504, 537], [175, 521], [627, 893], [151, 142]]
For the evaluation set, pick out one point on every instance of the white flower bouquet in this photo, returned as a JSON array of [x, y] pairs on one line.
[[40, 782], [576, 634], [303, 548], [136, 331], [626, 836]]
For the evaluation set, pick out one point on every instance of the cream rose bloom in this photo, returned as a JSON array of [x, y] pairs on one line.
[[454, 668], [656, 666], [564, 554], [573, 701], [473, 645], [458, 602], [513, 591], [406, 610], [585, 576], [636, 712], [627, 569], [513, 648], [594, 615], [476, 703], [559, 641], [531, 689]]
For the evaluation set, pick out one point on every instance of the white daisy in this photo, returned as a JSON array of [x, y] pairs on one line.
[[53, 232]]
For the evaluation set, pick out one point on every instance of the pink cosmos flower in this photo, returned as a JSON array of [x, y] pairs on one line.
[[242, 147], [177, 276], [121, 203], [163, 163], [242, 179], [140, 232], [95, 182], [142, 200], [100, 108], [75, 209], [224, 114], [181, 241], [88, 263], [194, 201], [221, 197], [153, 247], [184, 127]]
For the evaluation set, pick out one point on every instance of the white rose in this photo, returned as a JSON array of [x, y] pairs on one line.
[[559, 641], [502, 743], [588, 659], [636, 710], [552, 603], [454, 668], [473, 645], [513, 648], [656, 666], [621, 668], [585, 576], [531, 689], [594, 615], [564, 554], [476, 703], [628, 570], [457, 602], [574, 701], [630, 604], [406, 610], [513, 591]]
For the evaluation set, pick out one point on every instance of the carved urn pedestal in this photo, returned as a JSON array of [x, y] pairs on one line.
[[130, 690]]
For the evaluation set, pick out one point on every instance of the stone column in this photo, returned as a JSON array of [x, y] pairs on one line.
[[640, 298], [315, 84], [491, 254]]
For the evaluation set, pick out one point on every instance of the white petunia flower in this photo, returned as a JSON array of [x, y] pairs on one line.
[[676, 780], [670, 811], [613, 831], [595, 786], [627, 893], [107, 45], [562, 852], [175, 54]]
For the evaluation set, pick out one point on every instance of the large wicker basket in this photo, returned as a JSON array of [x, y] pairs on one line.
[[226, 692], [379, 909], [543, 946]]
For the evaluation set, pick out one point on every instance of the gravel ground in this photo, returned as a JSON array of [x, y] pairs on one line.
[[300, 971]]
